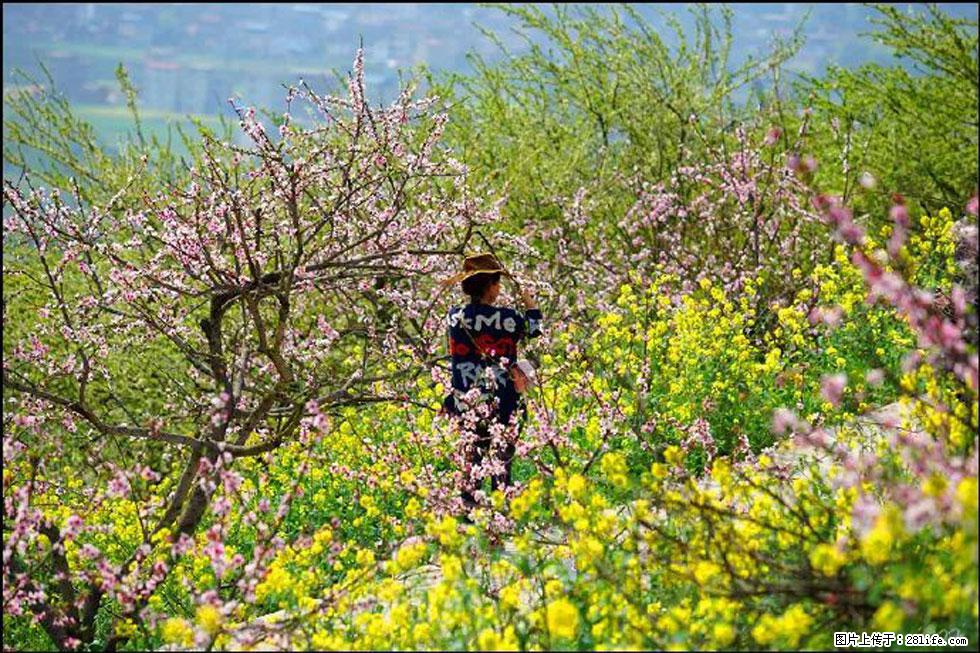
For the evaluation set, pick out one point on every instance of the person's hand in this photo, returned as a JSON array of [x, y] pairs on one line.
[[527, 298], [519, 378]]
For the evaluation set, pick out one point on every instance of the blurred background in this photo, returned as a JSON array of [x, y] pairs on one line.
[[188, 59]]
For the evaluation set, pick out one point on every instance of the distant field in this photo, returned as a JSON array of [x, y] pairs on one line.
[[194, 60], [114, 124]]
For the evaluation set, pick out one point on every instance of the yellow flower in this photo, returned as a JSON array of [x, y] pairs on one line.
[[788, 628], [488, 640], [510, 595], [935, 485], [209, 618], [553, 588], [365, 558], [762, 631], [705, 570], [576, 486], [966, 494], [413, 508], [407, 557], [276, 580], [877, 544], [178, 631], [389, 590], [160, 535], [562, 618], [422, 633], [452, 567], [126, 628], [674, 455], [445, 531], [724, 634], [827, 559], [323, 536], [888, 618]]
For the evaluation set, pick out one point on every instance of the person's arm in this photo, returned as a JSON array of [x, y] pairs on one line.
[[528, 299], [531, 316]]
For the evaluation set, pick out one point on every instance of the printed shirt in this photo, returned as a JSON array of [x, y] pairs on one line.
[[494, 331]]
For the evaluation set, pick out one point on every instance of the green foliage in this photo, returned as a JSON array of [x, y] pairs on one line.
[[600, 95], [914, 131]]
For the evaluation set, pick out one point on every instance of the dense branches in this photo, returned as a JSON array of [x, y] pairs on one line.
[[222, 315]]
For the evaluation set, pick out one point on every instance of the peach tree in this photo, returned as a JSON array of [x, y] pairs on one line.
[[154, 338]]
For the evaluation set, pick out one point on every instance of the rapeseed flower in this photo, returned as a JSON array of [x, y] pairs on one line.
[[562, 618]]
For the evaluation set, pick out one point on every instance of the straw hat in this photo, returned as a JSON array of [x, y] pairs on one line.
[[476, 264]]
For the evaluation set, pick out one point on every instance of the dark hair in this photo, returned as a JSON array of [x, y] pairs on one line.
[[477, 285]]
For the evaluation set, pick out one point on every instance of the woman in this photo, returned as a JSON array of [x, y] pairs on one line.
[[483, 343]]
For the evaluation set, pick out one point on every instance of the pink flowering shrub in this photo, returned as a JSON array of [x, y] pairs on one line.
[[158, 344], [735, 213]]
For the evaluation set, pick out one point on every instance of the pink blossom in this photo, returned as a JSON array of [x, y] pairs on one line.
[[73, 527], [327, 330], [919, 513], [816, 438], [832, 387], [865, 512], [831, 316], [896, 240], [911, 361], [900, 215], [119, 485], [875, 376], [783, 420]]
